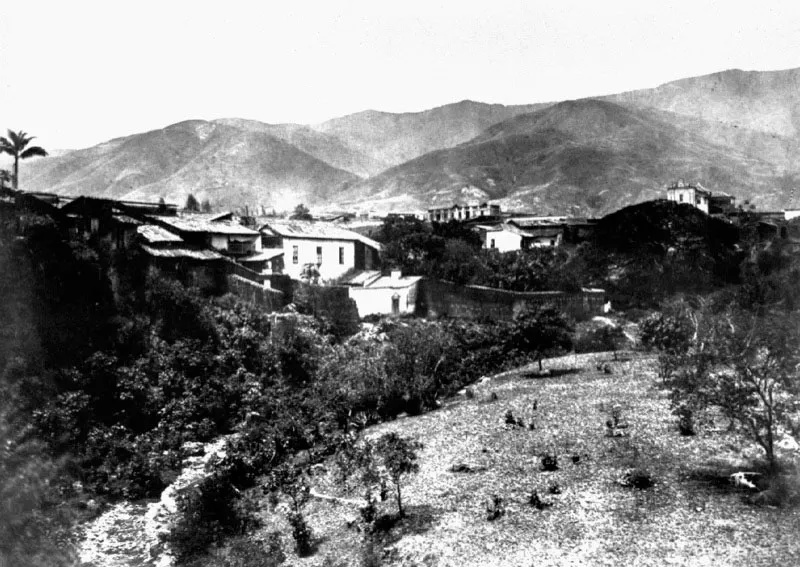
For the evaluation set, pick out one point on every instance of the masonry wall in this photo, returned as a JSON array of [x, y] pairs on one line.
[[444, 299], [268, 299]]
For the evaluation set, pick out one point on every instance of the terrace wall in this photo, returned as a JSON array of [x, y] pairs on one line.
[[444, 299]]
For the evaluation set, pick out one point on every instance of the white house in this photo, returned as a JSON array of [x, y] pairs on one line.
[[521, 234], [386, 295], [333, 250], [695, 195]]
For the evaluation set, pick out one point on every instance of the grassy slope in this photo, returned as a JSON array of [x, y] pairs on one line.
[[684, 520]]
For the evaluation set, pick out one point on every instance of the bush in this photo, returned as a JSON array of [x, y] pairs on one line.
[[549, 462], [207, 515]]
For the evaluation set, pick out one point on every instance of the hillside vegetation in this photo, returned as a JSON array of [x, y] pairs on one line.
[[586, 515]]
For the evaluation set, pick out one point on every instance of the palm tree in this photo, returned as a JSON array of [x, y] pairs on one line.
[[16, 144]]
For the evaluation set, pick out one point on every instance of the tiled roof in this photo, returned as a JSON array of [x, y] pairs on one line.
[[388, 281], [202, 223], [263, 256], [316, 230], [190, 253], [152, 233]]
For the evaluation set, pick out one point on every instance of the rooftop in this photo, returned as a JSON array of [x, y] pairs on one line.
[[187, 253], [315, 230], [152, 234], [205, 223]]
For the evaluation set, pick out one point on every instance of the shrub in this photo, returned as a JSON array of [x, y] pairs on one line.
[[207, 515], [549, 462], [637, 477], [494, 507]]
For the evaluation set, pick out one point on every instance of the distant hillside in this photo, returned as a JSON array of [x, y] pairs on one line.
[[581, 157], [229, 166], [396, 138], [733, 131], [767, 101], [325, 147]]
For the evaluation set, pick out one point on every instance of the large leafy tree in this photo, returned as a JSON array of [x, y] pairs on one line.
[[746, 365], [16, 145]]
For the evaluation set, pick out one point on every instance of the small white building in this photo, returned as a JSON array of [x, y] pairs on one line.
[[789, 214], [510, 236], [333, 250], [695, 195], [394, 294]]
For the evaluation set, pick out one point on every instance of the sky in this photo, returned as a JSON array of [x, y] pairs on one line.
[[81, 72]]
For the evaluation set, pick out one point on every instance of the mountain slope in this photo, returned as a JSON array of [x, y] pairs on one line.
[[395, 138], [767, 101], [229, 166], [325, 147], [579, 157]]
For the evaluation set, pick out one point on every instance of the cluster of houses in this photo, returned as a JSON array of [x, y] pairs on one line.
[[205, 248]]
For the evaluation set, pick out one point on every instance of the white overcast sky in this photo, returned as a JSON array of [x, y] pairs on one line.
[[76, 73]]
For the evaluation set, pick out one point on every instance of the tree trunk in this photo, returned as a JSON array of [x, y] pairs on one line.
[[400, 511], [16, 172]]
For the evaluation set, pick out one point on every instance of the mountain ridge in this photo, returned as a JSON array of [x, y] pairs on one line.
[[744, 121]]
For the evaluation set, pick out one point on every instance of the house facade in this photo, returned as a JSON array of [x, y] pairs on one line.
[[690, 194], [334, 251]]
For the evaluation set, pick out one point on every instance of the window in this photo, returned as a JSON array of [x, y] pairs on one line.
[[295, 254], [94, 225], [341, 254], [319, 255], [681, 197], [492, 244]]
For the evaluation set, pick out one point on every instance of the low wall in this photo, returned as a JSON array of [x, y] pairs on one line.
[[268, 299], [444, 299]]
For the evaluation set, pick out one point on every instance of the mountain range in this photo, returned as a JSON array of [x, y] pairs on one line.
[[734, 132]]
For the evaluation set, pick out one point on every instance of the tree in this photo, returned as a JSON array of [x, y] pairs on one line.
[[747, 365], [398, 455], [192, 204], [206, 206], [301, 212], [545, 331], [16, 145]]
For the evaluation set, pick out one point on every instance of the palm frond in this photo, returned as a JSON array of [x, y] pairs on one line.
[[33, 151]]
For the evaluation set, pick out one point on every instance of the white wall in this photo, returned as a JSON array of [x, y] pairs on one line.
[[504, 240], [307, 254], [689, 196], [790, 214], [379, 300]]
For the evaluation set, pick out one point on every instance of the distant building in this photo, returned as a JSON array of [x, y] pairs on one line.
[[695, 195], [789, 214], [536, 232], [721, 204], [463, 212]]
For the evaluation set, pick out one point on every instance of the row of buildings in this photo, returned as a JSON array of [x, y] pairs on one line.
[[204, 249]]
